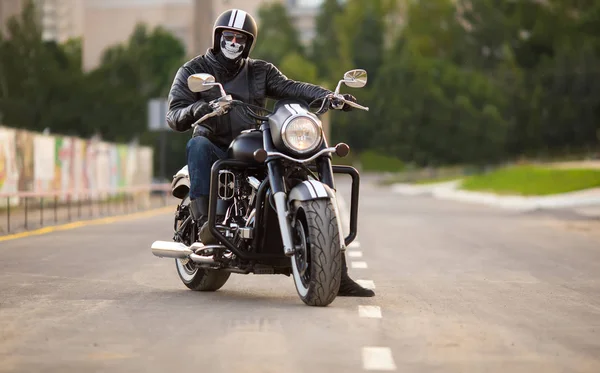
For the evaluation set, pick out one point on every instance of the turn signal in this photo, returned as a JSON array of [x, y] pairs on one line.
[[342, 150], [260, 155]]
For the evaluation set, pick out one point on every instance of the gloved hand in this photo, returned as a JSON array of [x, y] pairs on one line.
[[200, 109], [337, 103], [221, 105], [348, 97]]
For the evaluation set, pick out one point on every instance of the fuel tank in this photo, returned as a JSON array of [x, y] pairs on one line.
[[244, 146]]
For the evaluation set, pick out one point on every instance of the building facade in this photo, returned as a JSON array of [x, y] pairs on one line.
[[8, 9], [104, 23], [61, 19]]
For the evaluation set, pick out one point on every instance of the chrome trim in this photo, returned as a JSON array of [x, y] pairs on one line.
[[198, 247], [284, 225], [316, 122], [320, 153], [254, 182], [228, 186], [202, 259], [246, 233]]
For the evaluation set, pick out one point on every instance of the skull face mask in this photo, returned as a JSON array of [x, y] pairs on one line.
[[232, 44]]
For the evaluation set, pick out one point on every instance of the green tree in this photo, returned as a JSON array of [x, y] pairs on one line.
[[296, 67], [325, 48], [39, 85], [277, 35]]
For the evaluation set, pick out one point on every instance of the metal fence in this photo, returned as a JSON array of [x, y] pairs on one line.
[[24, 211]]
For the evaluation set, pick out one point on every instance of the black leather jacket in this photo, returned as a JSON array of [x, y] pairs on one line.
[[248, 80]]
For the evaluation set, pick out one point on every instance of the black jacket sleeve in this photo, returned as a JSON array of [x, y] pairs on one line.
[[280, 87], [183, 106]]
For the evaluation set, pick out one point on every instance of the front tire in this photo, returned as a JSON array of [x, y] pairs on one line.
[[197, 279], [317, 264]]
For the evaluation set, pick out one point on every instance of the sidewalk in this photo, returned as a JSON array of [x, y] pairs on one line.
[[585, 202], [36, 218]]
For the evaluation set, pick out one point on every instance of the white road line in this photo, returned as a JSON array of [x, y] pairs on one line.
[[368, 284], [369, 312], [355, 254], [359, 264], [378, 358], [354, 245]]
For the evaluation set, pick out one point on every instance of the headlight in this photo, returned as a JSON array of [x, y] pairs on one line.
[[302, 134]]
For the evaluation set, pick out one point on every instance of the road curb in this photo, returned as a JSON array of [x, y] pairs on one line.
[[449, 191]]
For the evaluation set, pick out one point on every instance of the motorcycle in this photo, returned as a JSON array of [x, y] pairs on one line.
[[272, 202]]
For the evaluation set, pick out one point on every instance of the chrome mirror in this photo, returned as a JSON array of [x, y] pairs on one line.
[[200, 82], [356, 78]]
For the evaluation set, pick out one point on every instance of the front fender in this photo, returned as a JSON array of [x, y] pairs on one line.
[[310, 190]]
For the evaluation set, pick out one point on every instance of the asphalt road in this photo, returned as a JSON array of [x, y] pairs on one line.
[[460, 288]]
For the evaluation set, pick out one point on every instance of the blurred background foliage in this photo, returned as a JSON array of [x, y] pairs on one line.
[[450, 82]]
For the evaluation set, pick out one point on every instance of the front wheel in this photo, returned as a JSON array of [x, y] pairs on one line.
[[317, 263]]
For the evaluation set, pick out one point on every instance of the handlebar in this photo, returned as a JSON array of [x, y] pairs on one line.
[[355, 105], [205, 117], [330, 97], [222, 105]]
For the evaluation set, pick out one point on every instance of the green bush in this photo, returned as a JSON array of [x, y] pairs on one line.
[[373, 161]]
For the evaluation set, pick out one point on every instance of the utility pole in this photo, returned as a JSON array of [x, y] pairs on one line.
[[204, 19]]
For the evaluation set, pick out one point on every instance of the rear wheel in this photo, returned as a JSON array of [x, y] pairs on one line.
[[198, 279], [317, 263]]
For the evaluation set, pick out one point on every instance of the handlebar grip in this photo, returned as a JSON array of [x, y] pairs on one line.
[[350, 103], [358, 106]]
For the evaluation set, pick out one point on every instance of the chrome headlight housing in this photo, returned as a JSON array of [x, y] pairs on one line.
[[302, 134]]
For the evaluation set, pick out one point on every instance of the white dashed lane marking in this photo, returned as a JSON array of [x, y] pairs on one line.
[[369, 284], [378, 358], [373, 358], [369, 312], [359, 264]]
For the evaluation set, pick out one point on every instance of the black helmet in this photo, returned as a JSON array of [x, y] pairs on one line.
[[239, 20]]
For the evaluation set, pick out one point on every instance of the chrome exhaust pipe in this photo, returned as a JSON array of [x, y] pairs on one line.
[[202, 259], [178, 250], [166, 249]]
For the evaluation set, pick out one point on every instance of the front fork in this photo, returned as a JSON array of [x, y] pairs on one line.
[[278, 190], [325, 171]]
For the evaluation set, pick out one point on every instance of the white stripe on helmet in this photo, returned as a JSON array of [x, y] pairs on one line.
[[240, 19], [232, 18]]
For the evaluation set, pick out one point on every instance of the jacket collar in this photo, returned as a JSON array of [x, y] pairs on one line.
[[223, 66]]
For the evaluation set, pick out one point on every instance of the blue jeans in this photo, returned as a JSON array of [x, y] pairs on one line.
[[201, 155]]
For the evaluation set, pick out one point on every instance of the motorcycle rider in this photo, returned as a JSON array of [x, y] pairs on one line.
[[245, 79]]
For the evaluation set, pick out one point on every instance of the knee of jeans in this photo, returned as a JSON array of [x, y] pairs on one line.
[[199, 144]]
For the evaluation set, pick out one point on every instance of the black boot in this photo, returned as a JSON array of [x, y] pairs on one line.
[[349, 288], [199, 207]]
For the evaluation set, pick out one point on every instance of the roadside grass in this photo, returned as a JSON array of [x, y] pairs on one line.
[[533, 180]]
